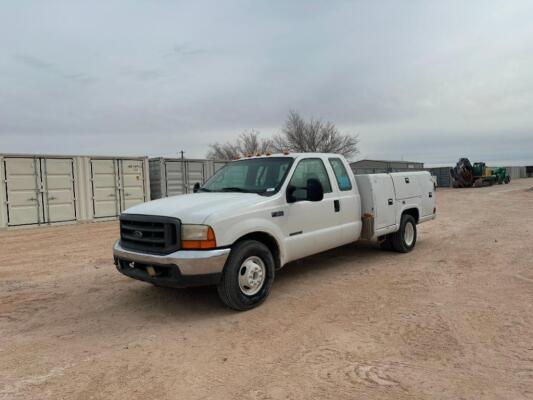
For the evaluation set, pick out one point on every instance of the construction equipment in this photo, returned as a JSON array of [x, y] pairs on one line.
[[465, 174]]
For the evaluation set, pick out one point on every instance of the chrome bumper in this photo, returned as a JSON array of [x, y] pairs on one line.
[[189, 262]]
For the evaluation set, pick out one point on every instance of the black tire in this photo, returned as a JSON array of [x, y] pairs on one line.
[[386, 244], [229, 290], [398, 240], [507, 179]]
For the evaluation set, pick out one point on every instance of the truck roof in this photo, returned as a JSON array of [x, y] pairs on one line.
[[294, 155]]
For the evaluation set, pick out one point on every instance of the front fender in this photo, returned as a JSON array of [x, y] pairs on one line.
[[229, 232]]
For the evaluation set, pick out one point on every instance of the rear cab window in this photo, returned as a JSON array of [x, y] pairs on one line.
[[343, 179]]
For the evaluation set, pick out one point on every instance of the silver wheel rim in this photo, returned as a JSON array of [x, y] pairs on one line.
[[252, 274], [409, 234]]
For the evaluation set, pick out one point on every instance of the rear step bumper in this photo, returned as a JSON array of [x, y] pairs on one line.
[[179, 269]]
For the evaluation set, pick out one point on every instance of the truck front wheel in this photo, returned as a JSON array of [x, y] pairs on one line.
[[248, 276], [404, 240]]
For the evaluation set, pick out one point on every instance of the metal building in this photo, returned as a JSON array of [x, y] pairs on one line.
[[173, 176], [49, 189], [383, 166]]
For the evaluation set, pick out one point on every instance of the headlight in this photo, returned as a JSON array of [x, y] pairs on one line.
[[197, 237]]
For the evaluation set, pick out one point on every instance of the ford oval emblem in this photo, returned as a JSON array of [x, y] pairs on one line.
[[138, 234]]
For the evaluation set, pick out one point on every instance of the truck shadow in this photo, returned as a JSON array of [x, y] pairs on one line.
[[358, 255], [202, 302]]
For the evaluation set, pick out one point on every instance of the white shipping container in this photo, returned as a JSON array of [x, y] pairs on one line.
[[50, 189]]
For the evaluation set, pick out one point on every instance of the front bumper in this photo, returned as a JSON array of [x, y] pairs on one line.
[[179, 269]]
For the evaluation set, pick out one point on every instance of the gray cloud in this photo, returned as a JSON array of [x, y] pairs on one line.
[[39, 64], [430, 81]]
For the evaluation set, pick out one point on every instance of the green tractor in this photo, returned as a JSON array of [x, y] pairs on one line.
[[467, 175]]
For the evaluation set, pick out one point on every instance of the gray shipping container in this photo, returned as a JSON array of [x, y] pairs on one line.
[[46, 189], [174, 176], [444, 178], [516, 172]]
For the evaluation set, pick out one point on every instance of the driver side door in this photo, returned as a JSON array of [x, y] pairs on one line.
[[312, 226]]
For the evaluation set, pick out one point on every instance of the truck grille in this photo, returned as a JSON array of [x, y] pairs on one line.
[[151, 234]]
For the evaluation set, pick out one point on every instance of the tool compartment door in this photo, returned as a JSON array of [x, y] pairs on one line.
[[385, 205], [428, 194], [406, 185], [105, 188], [132, 187], [58, 182], [24, 198]]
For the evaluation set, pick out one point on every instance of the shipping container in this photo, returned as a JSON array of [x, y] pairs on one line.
[[174, 176], [444, 179], [51, 189], [516, 172]]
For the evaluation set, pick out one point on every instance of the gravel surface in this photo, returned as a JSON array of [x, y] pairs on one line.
[[451, 320]]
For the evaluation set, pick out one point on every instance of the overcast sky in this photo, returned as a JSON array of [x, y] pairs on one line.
[[420, 80]]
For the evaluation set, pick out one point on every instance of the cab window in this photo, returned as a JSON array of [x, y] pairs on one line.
[[343, 180], [310, 168]]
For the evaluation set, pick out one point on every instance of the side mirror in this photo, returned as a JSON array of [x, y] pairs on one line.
[[312, 192], [295, 194], [196, 187], [315, 191]]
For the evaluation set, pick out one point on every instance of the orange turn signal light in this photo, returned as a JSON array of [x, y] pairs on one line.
[[209, 243]]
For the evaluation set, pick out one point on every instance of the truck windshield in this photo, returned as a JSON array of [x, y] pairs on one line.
[[254, 175]]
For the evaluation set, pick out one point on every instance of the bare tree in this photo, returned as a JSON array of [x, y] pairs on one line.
[[224, 151], [247, 143], [297, 135], [314, 135]]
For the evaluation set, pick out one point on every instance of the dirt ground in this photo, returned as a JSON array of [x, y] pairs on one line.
[[451, 320]]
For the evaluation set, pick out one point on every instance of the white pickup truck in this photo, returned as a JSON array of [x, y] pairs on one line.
[[259, 213]]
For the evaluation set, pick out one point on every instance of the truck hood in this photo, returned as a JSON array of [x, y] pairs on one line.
[[194, 208]]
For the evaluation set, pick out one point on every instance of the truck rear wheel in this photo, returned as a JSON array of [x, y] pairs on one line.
[[404, 240], [247, 277]]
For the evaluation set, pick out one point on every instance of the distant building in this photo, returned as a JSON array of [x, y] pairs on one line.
[[383, 166]]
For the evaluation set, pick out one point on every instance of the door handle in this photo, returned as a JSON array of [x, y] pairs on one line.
[[430, 194], [390, 202], [337, 205]]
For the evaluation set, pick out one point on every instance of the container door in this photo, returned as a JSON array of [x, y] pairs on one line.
[[23, 190], [104, 177], [58, 184], [175, 178], [131, 183], [196, 174]]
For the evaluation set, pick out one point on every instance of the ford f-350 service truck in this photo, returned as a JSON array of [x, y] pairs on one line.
[[259, 213]]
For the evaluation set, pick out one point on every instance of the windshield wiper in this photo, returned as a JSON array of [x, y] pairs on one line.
[[234, 189], [204, 189]]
